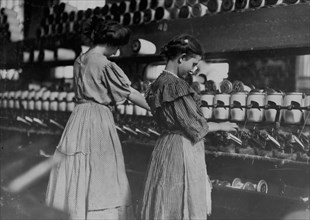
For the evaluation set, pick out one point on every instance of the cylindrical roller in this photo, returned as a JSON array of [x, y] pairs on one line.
[[185, 11], [214, 6], [149, 15], [161, 13], [199, 10]]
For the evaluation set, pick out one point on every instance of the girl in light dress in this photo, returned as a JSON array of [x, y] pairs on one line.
[[90, 182]]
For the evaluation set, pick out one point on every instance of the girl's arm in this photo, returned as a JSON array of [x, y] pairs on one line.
[[222, 126], [137, 98]]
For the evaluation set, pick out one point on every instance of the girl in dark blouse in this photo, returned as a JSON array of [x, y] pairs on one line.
[[177, 185]]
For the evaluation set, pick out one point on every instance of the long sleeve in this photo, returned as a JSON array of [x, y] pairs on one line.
[[187, 115]]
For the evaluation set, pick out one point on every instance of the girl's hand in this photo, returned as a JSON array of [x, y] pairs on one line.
[[228, 126]]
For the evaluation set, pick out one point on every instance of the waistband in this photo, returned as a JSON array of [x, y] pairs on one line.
[[83, 101]]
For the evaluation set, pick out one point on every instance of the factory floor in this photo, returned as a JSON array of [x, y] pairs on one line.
[[20, 152]]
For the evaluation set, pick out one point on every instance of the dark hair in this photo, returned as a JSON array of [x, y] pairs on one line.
[[99, 31], [183, 43]]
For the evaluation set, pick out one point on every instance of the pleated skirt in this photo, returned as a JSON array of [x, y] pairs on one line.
[[177, 185], [90, 182]]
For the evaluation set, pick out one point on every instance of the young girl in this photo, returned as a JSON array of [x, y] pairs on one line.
[[90, 182], [177, 185]]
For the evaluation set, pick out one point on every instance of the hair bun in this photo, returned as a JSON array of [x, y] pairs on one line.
[[164, 50]]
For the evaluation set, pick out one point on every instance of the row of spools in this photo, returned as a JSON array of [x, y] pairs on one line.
[[47, 100], [292, 108], [40, 100], [129, 108], [64, 18], [10, 74]]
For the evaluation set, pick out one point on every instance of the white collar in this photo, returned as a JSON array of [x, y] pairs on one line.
[[167, 71]]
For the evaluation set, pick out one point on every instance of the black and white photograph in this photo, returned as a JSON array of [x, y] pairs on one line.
[[155, 109]]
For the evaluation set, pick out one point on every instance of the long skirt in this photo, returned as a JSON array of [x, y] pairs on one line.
[[177, 185], [90, 182]]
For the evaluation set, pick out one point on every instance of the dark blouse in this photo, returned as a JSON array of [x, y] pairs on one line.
[[176, 107]]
